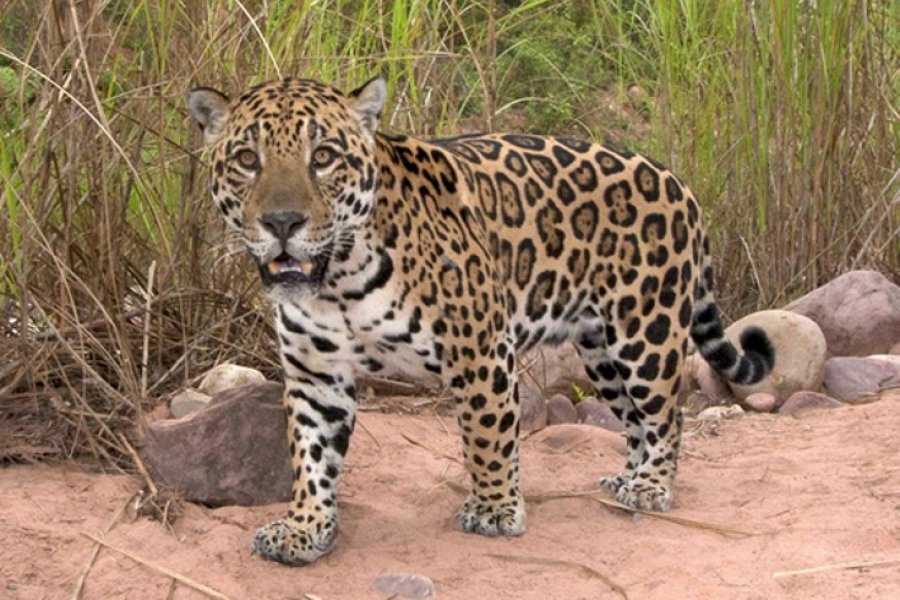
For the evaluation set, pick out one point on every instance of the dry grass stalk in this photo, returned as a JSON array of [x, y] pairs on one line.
[[433, 451], [183, 579], [139, 464], [838, 566]]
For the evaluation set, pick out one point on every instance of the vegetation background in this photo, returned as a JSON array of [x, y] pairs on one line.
[[118, 283]]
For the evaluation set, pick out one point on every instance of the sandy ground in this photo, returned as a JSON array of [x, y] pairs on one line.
[[814, 492]]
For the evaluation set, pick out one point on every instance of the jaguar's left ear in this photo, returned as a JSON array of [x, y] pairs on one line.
[[209, 108], [367, 102]]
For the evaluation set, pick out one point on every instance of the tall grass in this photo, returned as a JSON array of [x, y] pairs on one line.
[[118, 283]]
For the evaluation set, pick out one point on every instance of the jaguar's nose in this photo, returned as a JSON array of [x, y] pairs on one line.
[[283, 224]]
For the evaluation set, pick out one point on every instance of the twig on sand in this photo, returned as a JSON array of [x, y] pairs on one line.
[[437, 453], [838, 566], [82, 577], [554, 562], [203, 589], [369, 433], [720, 529]]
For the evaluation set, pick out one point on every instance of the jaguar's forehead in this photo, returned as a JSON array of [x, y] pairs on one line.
[[291, 102]]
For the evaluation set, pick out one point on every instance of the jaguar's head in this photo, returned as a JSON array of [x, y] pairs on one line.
[[293, 171]]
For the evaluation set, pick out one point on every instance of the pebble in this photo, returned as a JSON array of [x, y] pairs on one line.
[[407, 585], [761, 402]]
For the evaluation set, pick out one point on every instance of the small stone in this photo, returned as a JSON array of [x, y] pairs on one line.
[[804, 401], [591, 411], [532, 407], [188, 401], [560, 410], [716, 413], [234, 451], [761, 402], [404, 584], [851, 379], [227, 376]]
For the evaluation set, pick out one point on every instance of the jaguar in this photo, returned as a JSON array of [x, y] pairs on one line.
[[446, 259]]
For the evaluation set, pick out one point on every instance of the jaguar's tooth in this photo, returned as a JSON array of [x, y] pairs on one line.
[[273, 267], [306, 267]]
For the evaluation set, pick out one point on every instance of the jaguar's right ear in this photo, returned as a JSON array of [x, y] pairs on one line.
[[209, 108]]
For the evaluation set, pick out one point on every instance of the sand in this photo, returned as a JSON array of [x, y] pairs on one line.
[[808, 507]]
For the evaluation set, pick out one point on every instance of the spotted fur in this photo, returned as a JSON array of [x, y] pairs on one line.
[[446, 258]]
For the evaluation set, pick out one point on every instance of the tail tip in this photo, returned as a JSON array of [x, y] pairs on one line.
[[755, 342]]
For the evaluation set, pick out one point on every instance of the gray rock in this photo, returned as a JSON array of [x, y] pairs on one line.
[[858, 312], [232, 452], [799, 353], [405, 585], [227, 376], [554, 370], [710, 382], [760, 402], [560, 410], [850, 379], [805, 401], [533, 408], [187, 401], [591, 411]]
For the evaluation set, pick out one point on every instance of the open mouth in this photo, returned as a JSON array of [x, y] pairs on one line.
[[285, 269]]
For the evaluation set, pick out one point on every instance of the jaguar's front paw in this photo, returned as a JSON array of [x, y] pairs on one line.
[[613, 483], [284, 542], [483, 518], [645, 495]]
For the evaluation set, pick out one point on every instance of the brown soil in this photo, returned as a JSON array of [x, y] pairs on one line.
[[820, 493]]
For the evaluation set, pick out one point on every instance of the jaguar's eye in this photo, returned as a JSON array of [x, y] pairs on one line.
[[248, 159], [322, 157]]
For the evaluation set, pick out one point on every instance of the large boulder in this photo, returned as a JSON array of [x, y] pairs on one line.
[[234, 451], [852, 379], [799, 353], [859, 313]]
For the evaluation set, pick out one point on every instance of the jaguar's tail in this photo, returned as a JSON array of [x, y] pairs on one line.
[[748, 365]]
